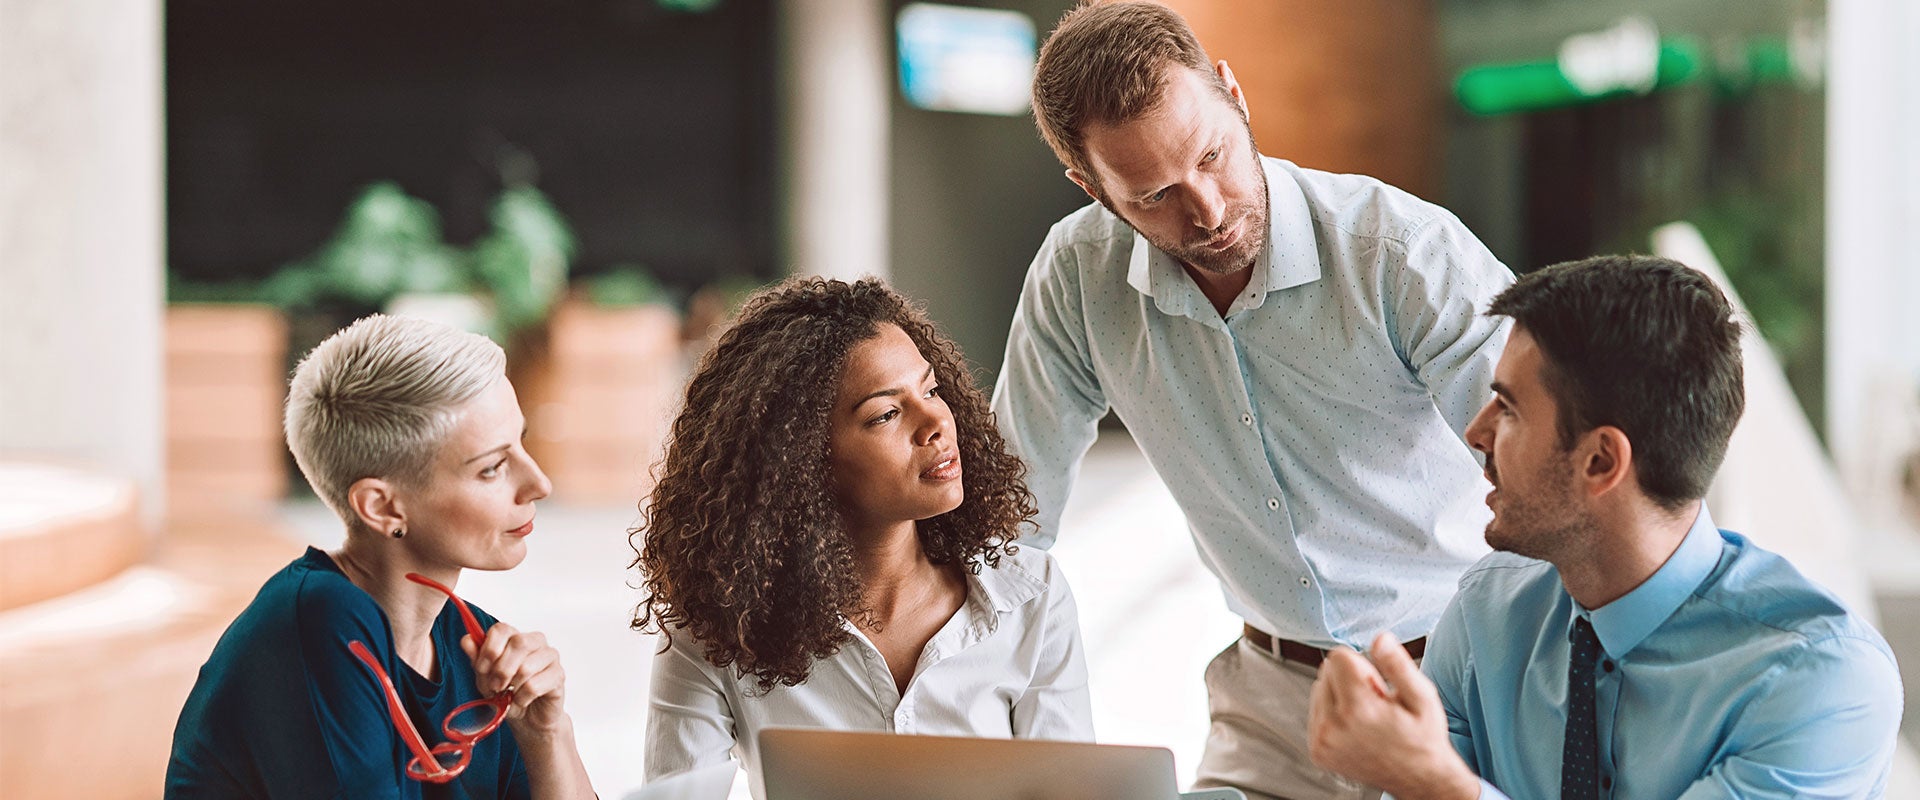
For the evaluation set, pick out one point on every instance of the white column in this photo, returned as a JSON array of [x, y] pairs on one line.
[[1873, 271], [834, 84], [81, 235]]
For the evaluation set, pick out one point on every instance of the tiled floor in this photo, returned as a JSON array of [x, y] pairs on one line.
[[1152, 616]]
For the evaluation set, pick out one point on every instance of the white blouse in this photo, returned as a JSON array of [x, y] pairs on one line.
[[1008, 664]]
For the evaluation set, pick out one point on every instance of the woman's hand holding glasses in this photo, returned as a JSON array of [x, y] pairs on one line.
[[521, 662], [519, 673]]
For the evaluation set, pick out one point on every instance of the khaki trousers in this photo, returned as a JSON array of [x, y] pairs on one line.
[[1257, 742]]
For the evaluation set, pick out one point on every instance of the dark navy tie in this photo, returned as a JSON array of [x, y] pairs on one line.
[[1580, 758]]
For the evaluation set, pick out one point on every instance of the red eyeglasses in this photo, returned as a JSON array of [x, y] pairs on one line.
[[464, 726]]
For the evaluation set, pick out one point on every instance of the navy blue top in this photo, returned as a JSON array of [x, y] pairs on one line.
[[284, 710]]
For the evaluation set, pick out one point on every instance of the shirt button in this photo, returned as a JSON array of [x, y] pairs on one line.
[[1606, 782], [1273, 503], [1607, 665], [1304, 581], [1246, 419]]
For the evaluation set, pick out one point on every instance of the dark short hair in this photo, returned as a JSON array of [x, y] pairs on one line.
[[1106, 64], [1645, 345]]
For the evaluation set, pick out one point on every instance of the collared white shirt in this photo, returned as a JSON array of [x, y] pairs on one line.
[[1009, 663], [1312, 436]]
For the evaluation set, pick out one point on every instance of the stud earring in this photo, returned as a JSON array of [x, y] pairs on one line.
[[399, 532]]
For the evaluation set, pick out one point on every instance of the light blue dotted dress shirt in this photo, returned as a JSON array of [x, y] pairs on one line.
[[1726, 674], [1312, 435]]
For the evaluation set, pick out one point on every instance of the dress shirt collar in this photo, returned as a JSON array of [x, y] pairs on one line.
[[1624, 623], [1006, 587], [1291, 258], [992, 595]]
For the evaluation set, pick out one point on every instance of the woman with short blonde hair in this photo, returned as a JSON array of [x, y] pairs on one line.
[[357, 672]]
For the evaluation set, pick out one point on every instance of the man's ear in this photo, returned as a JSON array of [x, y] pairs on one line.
[[1085, 183], [377, 504], [1608, 460], [1233, 88]]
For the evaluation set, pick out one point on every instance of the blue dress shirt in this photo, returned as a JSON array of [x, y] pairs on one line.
[[1726, 674], [1312, 435]]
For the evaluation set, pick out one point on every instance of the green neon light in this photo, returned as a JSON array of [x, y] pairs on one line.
[[1540, 85]]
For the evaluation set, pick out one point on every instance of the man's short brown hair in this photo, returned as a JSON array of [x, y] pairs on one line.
[[1105, 64]]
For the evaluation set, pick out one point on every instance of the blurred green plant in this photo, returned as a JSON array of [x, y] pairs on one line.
[[688, 6], [626, 285], [1748, 233], [523, 261], [390, 244], [733, 291]]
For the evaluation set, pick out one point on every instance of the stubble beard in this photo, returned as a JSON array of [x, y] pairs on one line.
[[1539, 526], [1252, 218], [1252, 221]]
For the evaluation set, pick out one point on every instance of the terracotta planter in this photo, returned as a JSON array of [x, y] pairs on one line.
[[598, 389], [226, 385]]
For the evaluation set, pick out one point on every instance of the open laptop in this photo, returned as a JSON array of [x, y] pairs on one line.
[[812, 764]]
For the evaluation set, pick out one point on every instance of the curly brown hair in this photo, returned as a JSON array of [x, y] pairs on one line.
[[744, 546]]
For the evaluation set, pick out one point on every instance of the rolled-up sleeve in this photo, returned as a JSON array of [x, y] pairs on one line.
[[689, 721], [1048, 402], [1056, 704], [1439, 290]]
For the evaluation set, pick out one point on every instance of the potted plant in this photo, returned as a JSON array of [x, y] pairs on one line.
[[225, 383], [599, 384], [388, 255]]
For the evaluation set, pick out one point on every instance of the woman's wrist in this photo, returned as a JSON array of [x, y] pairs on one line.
[[558, 728]]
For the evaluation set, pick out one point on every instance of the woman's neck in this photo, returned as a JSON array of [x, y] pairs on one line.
[[894, 570], [410, 607]]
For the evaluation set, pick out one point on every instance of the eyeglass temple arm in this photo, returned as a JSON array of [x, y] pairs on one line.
[[466, 614], [395, 711]]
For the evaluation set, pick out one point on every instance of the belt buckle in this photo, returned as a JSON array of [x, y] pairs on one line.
[[1263, 641]]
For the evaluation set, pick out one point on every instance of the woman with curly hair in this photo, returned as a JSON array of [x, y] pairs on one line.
[[830, 543]]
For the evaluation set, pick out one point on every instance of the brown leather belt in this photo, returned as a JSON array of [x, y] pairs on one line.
[[1305, 653]]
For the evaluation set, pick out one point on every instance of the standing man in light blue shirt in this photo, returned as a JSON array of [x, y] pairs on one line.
[[1619, 645], [1296, 352]]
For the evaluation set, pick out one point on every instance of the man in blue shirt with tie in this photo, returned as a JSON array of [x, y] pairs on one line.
[[1618, 645]]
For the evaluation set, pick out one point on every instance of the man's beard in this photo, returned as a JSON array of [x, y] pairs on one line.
[[1251, 218], [1537, 525]]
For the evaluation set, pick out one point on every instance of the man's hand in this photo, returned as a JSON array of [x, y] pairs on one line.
[[523, 661], [1381, 723]]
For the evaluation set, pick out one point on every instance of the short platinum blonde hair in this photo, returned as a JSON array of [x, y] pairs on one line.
[[378, 398]]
